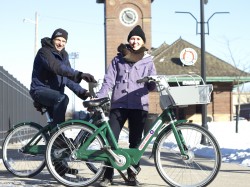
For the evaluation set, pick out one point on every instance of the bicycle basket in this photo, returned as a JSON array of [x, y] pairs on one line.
[[185, 95]]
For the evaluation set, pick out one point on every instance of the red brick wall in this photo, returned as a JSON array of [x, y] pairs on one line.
[[222, 102], [154, 104], [116, 32]]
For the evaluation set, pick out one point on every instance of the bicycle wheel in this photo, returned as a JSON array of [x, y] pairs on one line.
[[64, 153], [203, 163], [15, 160]]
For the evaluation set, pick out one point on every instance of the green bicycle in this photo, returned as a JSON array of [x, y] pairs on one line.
[[180, 154], [23, 150]]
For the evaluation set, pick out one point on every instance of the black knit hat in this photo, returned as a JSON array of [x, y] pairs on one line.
[[137, 31], [60, 33]]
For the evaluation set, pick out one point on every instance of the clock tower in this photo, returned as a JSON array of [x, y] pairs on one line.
[[120, 17]]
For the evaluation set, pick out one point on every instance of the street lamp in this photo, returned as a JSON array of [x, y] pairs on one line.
[[203, 61], [74, 56], [26, 20]]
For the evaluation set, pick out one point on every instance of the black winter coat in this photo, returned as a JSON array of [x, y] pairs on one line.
[[52, 70]]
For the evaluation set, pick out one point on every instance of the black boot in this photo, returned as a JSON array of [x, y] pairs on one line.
[[62, 169], [132, 181]]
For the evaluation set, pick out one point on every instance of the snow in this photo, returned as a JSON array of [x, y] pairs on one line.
[[235, 147]]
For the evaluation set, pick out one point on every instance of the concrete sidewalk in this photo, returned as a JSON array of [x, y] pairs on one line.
[[230, 175]]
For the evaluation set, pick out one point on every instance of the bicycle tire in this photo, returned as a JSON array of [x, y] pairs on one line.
[[16, 162], [200, 169], [85, 175]]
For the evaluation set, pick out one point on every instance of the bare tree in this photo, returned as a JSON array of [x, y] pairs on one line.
[[238, 82]]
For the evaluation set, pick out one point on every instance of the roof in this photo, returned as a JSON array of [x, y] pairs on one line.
[[167, 61], [157, 51]]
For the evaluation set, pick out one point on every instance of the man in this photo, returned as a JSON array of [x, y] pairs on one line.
[[51, 73]]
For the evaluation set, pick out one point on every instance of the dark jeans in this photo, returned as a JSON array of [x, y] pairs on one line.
[[56, 102], [136, 121]]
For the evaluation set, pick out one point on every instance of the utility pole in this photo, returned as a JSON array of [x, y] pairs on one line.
[[74, 56], [203, 59], [26, 20], [36, 33]]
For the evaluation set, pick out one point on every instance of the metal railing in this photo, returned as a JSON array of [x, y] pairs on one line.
[[16, 105]]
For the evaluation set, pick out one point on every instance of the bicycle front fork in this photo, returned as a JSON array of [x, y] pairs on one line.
[[178, 135]]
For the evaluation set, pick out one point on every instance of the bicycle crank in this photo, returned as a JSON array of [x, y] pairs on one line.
[[121, 159]]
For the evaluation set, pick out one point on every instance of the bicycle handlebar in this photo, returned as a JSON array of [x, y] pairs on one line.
[[145, 79]]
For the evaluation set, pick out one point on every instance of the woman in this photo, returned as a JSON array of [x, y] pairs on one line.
[[129, 100]]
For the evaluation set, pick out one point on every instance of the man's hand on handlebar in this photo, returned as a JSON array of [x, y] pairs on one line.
[[85, 95], [88, 77]]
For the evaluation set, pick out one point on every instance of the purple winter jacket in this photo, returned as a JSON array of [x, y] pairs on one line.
[[121, 79]]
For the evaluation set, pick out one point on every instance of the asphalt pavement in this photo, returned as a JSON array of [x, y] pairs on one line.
[[230, 175]]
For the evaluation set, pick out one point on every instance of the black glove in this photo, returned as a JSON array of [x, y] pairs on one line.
[[88, 77], [85, 95]]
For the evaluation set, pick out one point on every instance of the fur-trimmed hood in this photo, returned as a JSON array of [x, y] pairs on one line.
[[129, 55]]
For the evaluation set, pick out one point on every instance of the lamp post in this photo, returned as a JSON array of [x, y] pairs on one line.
[[26, 20], [203, 59], [74, 56], [203, 67]]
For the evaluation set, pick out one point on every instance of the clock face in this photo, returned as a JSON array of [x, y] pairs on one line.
[[128, 17]]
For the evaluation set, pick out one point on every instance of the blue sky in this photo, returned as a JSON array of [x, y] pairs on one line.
[[84, 20]]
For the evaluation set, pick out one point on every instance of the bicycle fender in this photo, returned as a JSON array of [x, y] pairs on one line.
[[25, 123]]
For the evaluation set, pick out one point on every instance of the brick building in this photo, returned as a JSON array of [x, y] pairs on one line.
[[221, 75]]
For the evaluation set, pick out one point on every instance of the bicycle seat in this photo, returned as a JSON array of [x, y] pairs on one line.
[[96, 102]]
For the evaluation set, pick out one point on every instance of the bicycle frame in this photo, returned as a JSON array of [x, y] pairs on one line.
[[132, 155], [31, 147]]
